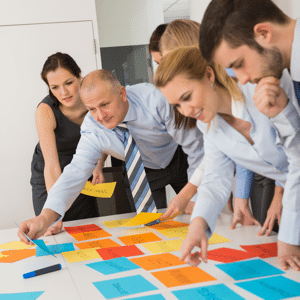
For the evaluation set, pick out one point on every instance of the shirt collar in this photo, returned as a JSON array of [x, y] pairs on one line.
[[237, 108], [295, 56], [131, 113]]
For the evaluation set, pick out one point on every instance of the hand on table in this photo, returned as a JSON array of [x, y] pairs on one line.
[[274, 212], [242, 214], [269, 98], [37, 226], [288, 256], [196, 237], [175, 208], [55, 229]]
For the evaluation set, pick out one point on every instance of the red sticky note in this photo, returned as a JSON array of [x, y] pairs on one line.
[[82, 228], [262, 250], [114, 252], [227, 255]]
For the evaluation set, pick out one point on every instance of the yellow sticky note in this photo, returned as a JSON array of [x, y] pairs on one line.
[[16, 245], [115, 223], [142, 219], [217, 239], [164, 246], [81, 255], [179, 232], [102, 190], [2, 255], [137, 230]]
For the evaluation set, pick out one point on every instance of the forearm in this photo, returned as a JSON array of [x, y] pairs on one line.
[[101, 161], [187, 192], [51, 174]]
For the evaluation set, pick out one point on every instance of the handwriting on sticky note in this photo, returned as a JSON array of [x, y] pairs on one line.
[[114, 252], [163, 246], [159, 261], [182, 276], [81, 255], [115, 223], [83, 236], [139, 238], [105, 243], [102, 190], [142, 219]]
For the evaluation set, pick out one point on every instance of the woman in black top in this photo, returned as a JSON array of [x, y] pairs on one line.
[[58, 119]]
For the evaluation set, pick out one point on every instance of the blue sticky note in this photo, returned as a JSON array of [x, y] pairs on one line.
[[124, 286], [59, 248], [38, 243], [112, 266], [272, 288], [21, 296], [249, 269], [151, 297], [218, 291], [41, 244]]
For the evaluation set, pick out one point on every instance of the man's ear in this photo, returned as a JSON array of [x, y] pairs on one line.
[[263, 33], [123, 94]]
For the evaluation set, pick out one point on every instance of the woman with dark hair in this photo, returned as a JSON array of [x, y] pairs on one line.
[[58, 119], [154, 42]]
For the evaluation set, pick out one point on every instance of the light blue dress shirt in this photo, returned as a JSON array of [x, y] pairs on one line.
[[150, 121], [224, 146]]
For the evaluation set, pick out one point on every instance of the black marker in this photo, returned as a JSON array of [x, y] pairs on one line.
[[42, 271]]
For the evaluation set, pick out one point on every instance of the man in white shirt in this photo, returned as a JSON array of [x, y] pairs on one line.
[[149, 119], [258, 41]]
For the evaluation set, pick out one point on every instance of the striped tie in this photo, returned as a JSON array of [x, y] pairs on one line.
[[297, 90], [139, 185]]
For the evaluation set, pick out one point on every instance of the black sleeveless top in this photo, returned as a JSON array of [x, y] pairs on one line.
[[67, 135]]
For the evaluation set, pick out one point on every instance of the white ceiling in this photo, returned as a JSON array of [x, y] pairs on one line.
[[175, 8]]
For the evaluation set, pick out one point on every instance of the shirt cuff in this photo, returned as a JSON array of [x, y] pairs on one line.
[[289, 230], [286, 122], [244, 183], [197, 176], [55, 205]]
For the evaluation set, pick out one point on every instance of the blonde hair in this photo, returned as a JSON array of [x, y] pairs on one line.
[[180, 33], [188, 61]]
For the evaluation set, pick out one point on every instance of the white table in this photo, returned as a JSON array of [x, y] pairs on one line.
[[74, 281]]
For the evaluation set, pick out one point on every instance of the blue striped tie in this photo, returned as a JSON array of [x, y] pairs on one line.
[[297, 90], [139, 185]]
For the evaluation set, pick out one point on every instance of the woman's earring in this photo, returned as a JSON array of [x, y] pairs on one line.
[[213, 86]]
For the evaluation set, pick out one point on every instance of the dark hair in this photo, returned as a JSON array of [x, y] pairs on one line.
[[55, 61], [233, 21], [155, 37]]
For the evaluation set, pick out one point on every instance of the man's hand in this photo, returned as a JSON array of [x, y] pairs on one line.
[[288, 256], [242, 214], [55, 229], [274, 212], [37, 226], [196, 237], [269, 98], [98, 176]]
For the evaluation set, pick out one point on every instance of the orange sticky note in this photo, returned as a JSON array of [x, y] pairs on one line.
[[82, 228], [182, 276], [168, 224], [158, 261], [139, 238], [11, 256], [83, 236], [105, 243]]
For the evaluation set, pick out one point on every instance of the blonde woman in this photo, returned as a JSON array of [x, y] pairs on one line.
[[235, 132]]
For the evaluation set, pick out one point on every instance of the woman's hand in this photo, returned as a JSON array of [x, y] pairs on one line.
[[196, 237], [274, 212], [242, 214], [55, 229]]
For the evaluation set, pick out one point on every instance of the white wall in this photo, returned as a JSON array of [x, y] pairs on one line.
[[127, 23], [17, 124]]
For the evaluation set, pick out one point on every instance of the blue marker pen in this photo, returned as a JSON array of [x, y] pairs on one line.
[[42, 271]]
